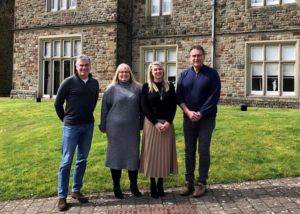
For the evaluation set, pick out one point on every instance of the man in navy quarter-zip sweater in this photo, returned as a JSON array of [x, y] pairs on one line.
[[80, 92], [198, 93]]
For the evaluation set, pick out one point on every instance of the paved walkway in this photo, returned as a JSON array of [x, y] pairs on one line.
[[266, 196]]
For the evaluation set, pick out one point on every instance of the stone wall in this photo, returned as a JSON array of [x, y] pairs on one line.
[[235, 24], [103, 25], [33, 14], [6, 45], [98, 42]]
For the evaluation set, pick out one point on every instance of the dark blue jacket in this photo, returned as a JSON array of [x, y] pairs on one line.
[[81, 99], [200, 92]]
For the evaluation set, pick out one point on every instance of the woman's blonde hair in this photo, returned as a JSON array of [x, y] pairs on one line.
[[135, 85], [150, 78]]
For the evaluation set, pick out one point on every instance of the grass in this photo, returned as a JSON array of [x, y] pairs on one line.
[[261, 143]]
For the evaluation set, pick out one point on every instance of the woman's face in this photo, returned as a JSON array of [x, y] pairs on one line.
[[123, 75], [157, 73]]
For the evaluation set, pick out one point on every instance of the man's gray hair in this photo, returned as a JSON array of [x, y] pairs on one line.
[[83, 58]]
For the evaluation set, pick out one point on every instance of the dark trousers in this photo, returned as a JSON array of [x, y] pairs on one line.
[[201, 131]]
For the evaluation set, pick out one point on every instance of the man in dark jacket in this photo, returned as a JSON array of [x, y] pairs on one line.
[[80, 92], [198, 93]]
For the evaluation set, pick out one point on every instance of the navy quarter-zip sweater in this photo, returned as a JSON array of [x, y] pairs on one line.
[[199, 91], [81, 99]]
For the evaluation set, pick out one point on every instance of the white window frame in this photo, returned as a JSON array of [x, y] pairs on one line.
[[144, 63], [160, 9], [58, 5], [266, 3], [43, 40], [264, 62]]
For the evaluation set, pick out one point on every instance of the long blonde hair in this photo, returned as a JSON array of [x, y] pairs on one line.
[[135, 85], [150, 78]]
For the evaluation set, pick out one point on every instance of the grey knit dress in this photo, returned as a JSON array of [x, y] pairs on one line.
[[120, 119]]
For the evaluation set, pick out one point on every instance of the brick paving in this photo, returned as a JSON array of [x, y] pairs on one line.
[[263, 197]]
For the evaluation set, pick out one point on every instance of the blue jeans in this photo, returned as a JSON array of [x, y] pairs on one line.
[[201, 131], [79, 136]]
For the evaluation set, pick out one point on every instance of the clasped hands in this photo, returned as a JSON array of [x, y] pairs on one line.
[[194, 116], [162, 127]]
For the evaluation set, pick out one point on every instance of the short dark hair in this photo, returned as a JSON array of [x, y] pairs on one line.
[[198, 47]]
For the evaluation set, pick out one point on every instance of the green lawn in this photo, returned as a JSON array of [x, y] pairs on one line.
[[260, 143]]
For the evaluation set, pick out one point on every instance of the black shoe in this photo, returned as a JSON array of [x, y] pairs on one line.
[[153, 191], [118, 193], [160, 188], [135, 191]]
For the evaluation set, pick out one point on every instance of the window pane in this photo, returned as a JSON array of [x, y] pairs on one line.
[[148, 56], [256, 53], [67, 70], [56, 48], [272, 69], [77, 47], [171, 55], [56, 72], [256, 2], [166, 7], [288, 52], [288, 1], [53, 4], [288, 77], [256, 69], [146, 71], [272, 53], [270, 2], [74, 67], [256, 72], [67, 48], [72, 3], [288, 69], [47, 49], [46, 78], [171, 73], [272, 76], [63, 4], [154, 7], [160, 55]]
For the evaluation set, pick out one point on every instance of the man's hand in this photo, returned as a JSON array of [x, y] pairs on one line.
[[193, 116]]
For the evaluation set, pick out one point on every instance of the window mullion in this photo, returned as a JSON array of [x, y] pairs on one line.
[[160, 7], [280, 74]]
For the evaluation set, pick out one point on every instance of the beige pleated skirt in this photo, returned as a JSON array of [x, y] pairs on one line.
[[158, 156]]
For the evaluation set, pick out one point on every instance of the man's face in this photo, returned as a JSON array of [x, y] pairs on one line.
[[197, 58], [83, 68]]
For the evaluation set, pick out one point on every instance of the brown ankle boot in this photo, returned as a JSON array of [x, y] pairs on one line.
[[62, 204]]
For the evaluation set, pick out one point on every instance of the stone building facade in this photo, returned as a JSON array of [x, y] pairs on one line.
[[242, 30], [50, 34], [255, 51], [6, 45]]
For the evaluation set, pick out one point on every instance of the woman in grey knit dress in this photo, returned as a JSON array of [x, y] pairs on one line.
[[121, 121]]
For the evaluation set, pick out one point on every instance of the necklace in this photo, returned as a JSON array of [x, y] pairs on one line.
[[160, 94]]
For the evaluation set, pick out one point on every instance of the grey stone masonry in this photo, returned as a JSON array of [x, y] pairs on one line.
[[236, 23], [256, 197]]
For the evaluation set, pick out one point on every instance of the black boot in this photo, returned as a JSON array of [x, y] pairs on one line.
[[133, 175], [116, 176], [154, 193], [160, 188]]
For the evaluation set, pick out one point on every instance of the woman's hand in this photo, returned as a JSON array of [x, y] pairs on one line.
[[159, 127], [166, 126]]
